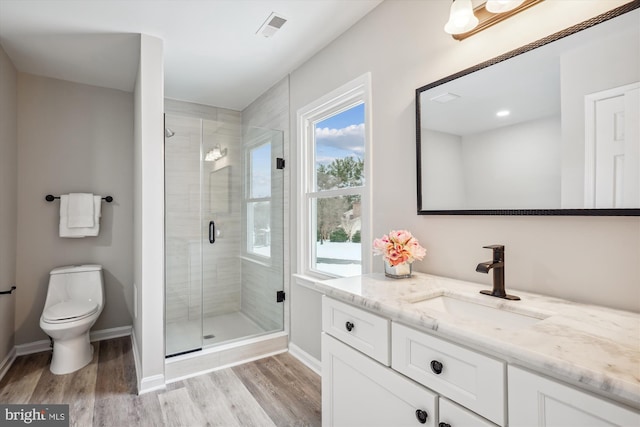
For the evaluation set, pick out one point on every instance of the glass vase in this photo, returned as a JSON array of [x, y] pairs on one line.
[[400, 271]]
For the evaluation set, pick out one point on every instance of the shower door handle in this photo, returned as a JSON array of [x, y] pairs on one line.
[[212, 232]]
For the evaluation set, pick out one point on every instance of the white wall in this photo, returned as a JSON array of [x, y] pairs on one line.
[[443, 177], [8, 200], [519, 164], [72, 138], [587, 259], [148, 213]]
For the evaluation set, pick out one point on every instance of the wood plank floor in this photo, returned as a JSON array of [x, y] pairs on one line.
[[274, 391]]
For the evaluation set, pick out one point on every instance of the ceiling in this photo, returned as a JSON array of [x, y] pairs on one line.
[[212, 54]]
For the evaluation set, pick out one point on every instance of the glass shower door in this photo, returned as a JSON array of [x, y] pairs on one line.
[[224, 232], [183, 249], [242, 233]]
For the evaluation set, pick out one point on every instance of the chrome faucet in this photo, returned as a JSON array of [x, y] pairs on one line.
[[497, 264]]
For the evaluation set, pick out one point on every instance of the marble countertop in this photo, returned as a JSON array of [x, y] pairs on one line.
[[594, 347]]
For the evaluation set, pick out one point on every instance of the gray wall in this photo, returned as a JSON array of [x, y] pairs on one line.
[[404, 47], [259, 282], [73, 138], [8, 199]]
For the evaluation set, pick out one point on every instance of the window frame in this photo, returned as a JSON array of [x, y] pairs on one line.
[[248, 199], [353, 93]]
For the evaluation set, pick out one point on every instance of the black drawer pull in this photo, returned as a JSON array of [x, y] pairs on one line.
[[349, 326], [421, 416], [436, 367], [444, 425]]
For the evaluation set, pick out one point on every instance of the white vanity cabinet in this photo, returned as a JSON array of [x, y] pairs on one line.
[[357, 391], [539, 401], [358, 387], [376, 372]]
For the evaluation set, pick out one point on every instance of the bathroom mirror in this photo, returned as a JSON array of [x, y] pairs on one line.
[[551, 128]]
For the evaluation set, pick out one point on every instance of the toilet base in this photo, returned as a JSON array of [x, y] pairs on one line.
[[72, 354]]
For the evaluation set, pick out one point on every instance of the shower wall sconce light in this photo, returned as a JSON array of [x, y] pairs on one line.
[[216, 153], [465, 21]]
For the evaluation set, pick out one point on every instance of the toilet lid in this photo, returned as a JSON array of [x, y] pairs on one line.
[[69, 310]]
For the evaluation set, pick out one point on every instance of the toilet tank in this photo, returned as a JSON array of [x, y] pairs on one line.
[[77, 282]]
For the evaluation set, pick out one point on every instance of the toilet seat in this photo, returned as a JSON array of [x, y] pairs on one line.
[[69, 311]]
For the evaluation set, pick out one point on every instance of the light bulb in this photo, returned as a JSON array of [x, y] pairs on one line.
[[501, 6], [461, 18]]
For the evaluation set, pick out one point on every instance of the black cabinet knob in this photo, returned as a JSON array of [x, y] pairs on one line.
[[349, 326], [421, 416], [436, 367], [444, 425]]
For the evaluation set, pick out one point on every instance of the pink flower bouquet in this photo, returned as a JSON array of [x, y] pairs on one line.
[[399, 247]]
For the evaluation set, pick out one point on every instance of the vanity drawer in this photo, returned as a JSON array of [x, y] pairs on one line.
[[474, 380], [358, 328], [456, 416]]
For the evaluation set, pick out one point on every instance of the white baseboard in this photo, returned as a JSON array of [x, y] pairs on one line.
[[136, 358], [100, 335], [144, 384], [33, 347], [152, 383], [7, 362], [307, 359], [111, 333]]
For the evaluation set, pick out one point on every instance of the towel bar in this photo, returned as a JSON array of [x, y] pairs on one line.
[[51, 198], [8, 292]]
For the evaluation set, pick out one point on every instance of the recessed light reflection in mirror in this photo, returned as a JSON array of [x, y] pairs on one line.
[[503, 113]]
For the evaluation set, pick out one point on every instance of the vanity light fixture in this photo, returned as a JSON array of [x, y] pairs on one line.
[[216, 153], [461, 18], [503, 113], [485, 15], [501, 6]]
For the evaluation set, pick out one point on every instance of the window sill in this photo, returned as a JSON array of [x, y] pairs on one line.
[[256, 261], [307, 281]]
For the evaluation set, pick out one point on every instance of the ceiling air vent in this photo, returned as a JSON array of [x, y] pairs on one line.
[[444, 98], [273, 23]]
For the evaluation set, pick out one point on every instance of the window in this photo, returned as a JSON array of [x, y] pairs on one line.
[[334, 190], [258, 200]]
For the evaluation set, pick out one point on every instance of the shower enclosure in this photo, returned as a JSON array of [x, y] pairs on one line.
[[223, 232]]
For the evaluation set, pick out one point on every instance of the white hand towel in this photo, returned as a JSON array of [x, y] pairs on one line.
[[65, 231], [80, 210]]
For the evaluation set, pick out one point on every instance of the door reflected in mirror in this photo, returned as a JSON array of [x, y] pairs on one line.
[[552, 128]]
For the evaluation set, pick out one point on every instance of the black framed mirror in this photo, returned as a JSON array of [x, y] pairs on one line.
[[551, 128]]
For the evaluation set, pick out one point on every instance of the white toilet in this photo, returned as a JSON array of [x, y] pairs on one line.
[[75, 299]]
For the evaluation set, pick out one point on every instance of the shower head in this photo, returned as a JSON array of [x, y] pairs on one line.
[[168, 132]]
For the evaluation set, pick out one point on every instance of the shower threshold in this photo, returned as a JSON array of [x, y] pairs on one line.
[[225, 355], [183, 337]]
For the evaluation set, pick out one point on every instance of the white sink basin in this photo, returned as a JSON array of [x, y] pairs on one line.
[[474, 311]]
